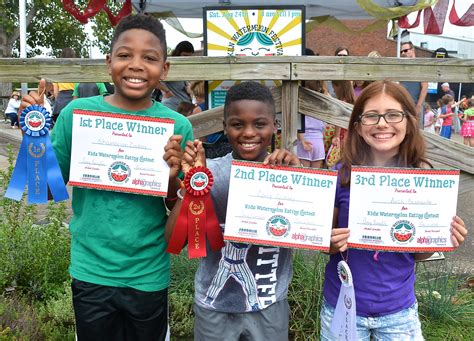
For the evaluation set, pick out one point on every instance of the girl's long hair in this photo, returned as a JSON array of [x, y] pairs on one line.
[[357, 152], [344, 91]]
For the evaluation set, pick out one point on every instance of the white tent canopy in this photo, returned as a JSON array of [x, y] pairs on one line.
[[341, 9]]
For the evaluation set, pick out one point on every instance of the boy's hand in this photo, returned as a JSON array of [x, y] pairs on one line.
[[458, 231], [194, 155], [33, 97], [339, 239], [173, 155], [282, 157]]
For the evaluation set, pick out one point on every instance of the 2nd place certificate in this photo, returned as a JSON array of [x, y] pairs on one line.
[[402, 209], [119, 152], [281, 206]]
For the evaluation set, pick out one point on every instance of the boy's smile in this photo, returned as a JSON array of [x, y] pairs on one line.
[[136, 65], [249, 127]]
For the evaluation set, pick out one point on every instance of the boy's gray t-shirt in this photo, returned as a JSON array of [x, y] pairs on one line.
[[239, 277]]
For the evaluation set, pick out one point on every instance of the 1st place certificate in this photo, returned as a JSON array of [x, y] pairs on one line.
[[119, 152], [402, 209], [280, 206]]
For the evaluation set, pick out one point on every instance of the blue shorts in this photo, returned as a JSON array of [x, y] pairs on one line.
[[445, 132], [402, 326]]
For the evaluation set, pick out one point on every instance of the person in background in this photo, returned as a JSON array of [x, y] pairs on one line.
[[446, 90], [175, 92], [12, 109], [439, 120], [467, 130], [198, 95], [82, 90], [374, 53], [417, 90], [359, 86], [342, 51], [63, 91], [186, 108], [429, 119], [447, 114], [310, 144], [344, 92]]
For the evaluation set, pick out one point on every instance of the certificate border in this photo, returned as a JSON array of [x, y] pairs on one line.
[[283, 168], [429, 171], [128, 190], [286, 168], [275, 243], [391, 170], [87, 185], [399, 248], [123, 116]]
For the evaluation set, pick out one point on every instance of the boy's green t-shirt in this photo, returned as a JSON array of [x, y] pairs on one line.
[[117, 239]]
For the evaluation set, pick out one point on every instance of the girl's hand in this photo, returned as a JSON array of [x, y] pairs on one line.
[[194, 155], [308, 146], [173, 155], [336, 141], [458, 231], [282, 157], [339, 237]]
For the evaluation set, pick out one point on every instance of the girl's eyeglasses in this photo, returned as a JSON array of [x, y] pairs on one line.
[[372, 118]]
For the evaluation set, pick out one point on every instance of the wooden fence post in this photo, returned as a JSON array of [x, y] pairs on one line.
[[289, 110]]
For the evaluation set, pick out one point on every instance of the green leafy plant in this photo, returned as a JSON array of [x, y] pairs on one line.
[[446, 304], [181, 295], [305, 294], [34, 257]]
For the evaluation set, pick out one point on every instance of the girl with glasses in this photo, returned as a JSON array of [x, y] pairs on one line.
[[382, 132]]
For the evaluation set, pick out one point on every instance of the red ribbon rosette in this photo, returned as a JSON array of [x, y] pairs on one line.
[[197, 218]]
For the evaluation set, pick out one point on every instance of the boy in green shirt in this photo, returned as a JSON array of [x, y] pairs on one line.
[[119, 265]]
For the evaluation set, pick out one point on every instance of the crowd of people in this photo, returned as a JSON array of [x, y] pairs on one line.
[[119, 266], [449, 115]]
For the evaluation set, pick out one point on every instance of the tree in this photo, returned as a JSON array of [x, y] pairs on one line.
[[49, 28]]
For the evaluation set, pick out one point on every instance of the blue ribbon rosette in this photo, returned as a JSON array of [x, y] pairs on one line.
[[36, 164]]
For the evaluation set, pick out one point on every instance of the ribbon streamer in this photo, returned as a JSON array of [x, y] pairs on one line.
[[93, 7], [197, 218], [434, 18], [344, 322], [36, 164], [123, 12], [466, 20]]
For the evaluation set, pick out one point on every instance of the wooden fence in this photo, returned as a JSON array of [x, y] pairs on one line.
[[290, 98]]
